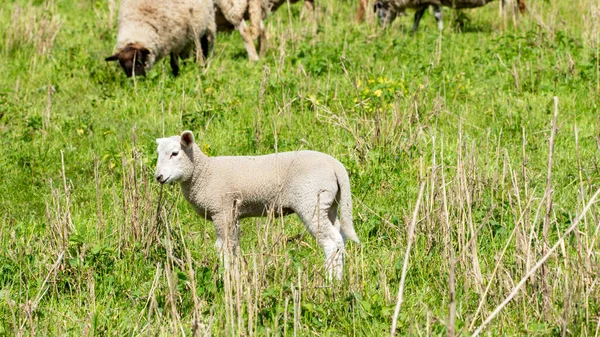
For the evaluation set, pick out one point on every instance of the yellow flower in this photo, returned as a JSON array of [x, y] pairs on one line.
[[377, 93]]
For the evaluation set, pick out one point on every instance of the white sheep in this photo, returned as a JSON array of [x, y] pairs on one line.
[[231, 14], [388, 10], [149, 30], [224, 189]]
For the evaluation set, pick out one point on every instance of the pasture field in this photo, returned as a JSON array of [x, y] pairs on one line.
[[90, 244]]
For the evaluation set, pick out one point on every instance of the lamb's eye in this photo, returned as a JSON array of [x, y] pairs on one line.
[[175, 153]]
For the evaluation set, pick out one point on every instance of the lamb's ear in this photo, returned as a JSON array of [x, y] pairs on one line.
[[112, 57], [187, 138]]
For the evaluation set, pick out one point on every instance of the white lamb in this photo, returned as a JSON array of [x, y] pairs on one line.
[[149, 30], [226, 189]]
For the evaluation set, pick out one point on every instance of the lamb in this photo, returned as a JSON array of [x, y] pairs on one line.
[[231, 14], [225, 189], [388, 10], [149, 30]]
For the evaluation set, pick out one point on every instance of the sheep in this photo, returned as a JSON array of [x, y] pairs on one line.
[[387, 10], [149, 30], [225, 189], [231, 14]]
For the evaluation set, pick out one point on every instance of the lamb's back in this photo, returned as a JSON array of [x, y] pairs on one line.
[[271, 176]]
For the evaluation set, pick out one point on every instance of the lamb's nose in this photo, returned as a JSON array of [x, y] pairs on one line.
[[159, 177]]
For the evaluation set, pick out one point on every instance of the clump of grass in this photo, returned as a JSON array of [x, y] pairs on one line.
[[30, 25]]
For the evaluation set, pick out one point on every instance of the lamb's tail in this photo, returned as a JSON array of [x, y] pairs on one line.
[[345, 202]]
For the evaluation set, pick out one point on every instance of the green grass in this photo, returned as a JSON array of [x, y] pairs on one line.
[[88, 249]]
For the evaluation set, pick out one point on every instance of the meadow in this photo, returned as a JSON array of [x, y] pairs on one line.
[[473, 158]]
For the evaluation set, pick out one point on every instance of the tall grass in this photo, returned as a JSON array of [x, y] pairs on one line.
[[503, 239]]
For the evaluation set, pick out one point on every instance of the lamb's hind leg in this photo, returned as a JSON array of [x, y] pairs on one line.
[[318, 223]]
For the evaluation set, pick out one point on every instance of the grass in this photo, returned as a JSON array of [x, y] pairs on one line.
[[91, 245]]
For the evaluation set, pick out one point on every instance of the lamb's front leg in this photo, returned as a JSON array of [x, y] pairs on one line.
[[227, 244]]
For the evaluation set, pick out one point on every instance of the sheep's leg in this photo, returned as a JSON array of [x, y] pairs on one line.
[[318, 222], [174, 64], [228, 238], [205, 46], [262, 39], [248, 41], [309, 7], [362, 6], [522, 6], [332, 242], [418, 15], [437, 12]]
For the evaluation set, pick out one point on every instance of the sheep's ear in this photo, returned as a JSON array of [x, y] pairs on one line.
[[145, 52], [112, 57], [187, 138], [377, 5]]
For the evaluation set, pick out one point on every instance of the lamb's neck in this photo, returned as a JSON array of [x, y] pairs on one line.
[[196, 183]]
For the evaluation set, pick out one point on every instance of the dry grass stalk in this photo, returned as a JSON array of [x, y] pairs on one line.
[[548, 198], [411, 232], [498, 263], [540, 263], [34, 25], [451, 326], [31, 307]]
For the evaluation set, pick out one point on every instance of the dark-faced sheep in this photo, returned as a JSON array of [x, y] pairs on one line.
[[149, 30], [388, 10]]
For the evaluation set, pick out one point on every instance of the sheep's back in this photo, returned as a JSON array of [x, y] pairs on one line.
[[169, 25], [263, 179], [460, 4], [401, 5]]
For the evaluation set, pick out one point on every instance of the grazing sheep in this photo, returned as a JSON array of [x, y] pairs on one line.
[[149, 30], [225, 189], [232, 14], [388, 10]]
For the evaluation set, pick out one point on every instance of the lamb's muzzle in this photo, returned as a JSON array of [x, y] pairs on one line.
[[311, 184]]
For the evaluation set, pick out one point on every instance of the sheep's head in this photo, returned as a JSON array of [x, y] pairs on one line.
[[175, 158], [134, 59], [385, 12]]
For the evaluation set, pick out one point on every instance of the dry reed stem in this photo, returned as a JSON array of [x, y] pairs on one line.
[[548, 198], [451, 327], [30, 309], [411, 232], [491, 281], [537, 266]]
